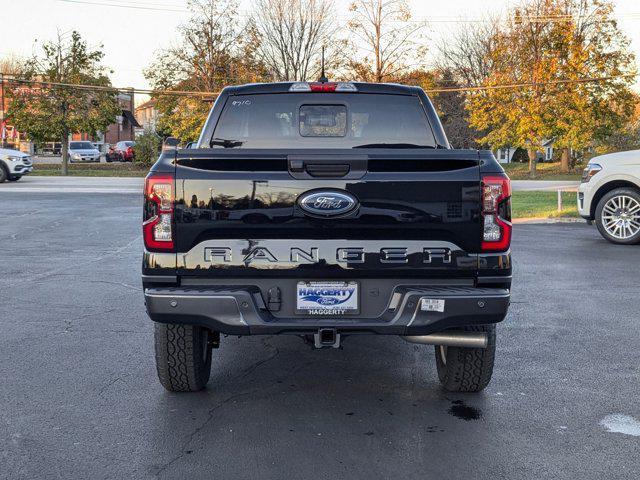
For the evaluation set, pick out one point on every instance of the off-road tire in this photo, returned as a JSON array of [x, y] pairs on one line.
[[4, 175], [183, 356], [467, 369], [629, 192]]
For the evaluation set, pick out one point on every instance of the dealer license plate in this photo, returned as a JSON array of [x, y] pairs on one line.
[[327, 298]]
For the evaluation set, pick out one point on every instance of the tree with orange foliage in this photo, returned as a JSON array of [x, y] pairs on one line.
[[548, 48]]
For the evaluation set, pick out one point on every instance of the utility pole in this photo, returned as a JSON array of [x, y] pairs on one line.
[[2, 125], [132, 109]]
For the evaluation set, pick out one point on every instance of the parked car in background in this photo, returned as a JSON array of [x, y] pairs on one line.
[[126, 150], [609, 194], [110, 154], [83, 152], [14, 164], [48, 148]]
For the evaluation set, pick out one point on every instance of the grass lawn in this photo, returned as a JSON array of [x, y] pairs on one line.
[[94, 169], [543, 205], [544, 171]]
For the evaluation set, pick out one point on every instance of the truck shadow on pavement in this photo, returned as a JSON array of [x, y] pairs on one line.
[[373, 391]]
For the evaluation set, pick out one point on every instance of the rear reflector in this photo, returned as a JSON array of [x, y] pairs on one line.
[[157, 226], [496, 213]]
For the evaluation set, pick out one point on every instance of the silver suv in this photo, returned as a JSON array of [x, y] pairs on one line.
[[14, 164]]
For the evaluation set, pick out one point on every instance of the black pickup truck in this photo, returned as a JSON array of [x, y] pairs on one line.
[[326, 210]]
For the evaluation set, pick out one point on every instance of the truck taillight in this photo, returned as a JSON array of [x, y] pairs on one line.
[[496, 213], [157, 226], [323, 87]]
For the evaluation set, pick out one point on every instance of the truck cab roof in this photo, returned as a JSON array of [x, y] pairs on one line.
[[341, 90], [285, 87]]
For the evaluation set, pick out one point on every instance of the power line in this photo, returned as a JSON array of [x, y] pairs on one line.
[[105, 88], [559, 18], [530, 84], [433, 20], [192, 93], [131, 6]]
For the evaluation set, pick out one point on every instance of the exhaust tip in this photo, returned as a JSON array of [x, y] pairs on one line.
[[451, 339]]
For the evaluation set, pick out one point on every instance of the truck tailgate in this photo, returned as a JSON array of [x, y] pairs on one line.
[[238, 213]]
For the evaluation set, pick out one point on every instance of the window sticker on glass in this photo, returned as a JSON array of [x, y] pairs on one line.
[[323, 120]]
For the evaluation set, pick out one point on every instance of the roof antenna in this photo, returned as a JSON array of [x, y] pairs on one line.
[[322, 78]]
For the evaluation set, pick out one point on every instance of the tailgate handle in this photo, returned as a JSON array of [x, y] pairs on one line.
[[327, 166], [327, 170]]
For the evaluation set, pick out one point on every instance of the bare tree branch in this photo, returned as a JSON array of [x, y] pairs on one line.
[[382, 28], [291, 34]]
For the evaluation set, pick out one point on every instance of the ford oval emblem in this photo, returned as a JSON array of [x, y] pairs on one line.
[[327, 203]]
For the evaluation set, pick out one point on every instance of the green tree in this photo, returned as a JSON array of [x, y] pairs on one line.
[[625, 138], [450, 105], [465, 57], [214, 49], [588, 113], [547, 48], [148, 147], [52, 108], [525, 52]]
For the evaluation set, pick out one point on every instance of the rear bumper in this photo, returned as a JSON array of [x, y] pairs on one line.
[[242, 311]]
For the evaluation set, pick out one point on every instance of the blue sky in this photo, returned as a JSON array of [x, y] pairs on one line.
[[131, 37]]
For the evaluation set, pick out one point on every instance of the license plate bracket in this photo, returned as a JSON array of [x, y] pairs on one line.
[[327, 298]]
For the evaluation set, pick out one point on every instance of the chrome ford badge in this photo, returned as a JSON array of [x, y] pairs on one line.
[[327, 203]]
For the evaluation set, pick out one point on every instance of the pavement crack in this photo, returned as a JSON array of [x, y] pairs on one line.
[[191, 436], [104, 388], [120, 284], [78, 266], [69, 323], [28, 214], [67, 326], [251, 368]]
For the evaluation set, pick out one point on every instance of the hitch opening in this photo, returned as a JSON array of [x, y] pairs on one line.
[[326, 337]]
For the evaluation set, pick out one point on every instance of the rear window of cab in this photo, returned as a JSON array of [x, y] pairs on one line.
[[322, 120]]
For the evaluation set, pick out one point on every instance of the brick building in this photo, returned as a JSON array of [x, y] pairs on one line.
[[122, 128], [147, 115]]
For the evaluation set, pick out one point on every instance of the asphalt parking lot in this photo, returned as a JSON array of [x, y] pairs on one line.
[[80, 398]]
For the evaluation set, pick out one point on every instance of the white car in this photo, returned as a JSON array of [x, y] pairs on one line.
[[14, 164], [83, 152], [609, 195]]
